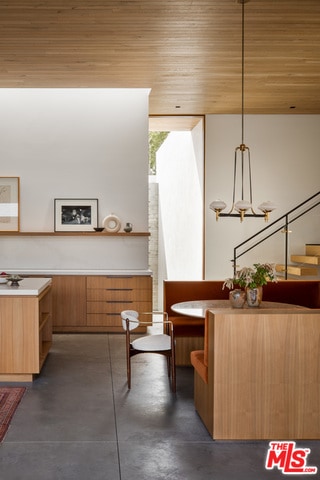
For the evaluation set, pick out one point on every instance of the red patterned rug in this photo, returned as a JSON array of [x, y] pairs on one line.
[[9, 400]]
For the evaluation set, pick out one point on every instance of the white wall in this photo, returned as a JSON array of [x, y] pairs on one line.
[[285, 168], [82, 143], [180, 176]]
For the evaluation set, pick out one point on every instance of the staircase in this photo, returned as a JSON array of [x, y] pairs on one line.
[[311, 257], [306, 265]]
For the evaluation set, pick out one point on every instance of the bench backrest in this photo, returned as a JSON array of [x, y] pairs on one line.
[[296, 292], [175, 291]]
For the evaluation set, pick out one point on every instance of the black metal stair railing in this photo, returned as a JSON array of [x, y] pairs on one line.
[[282, 223]]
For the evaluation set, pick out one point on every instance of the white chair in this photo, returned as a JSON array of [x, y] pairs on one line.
[[162, 344]]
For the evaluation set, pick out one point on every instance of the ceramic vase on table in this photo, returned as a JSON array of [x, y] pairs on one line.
[[254, 296], [237, 298]]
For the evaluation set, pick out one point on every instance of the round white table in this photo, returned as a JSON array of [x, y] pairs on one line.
[[198, 308]]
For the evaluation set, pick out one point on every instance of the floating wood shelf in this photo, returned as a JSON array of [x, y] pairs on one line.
[[77, 234]]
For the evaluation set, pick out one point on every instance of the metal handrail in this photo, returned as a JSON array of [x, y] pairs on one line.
[[284, 226]]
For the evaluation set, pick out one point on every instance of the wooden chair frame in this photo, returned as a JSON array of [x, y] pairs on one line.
[[169, 354]]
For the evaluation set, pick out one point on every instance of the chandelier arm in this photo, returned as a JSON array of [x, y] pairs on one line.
[[250, 176], [242, 174], [234, 181], [250, 181]]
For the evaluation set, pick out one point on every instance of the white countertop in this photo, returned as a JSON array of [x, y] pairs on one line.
[[27, 286], [23, 272]]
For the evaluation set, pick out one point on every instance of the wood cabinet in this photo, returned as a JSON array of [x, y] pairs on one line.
[[107, 296], [25, 335], [93, 303], [69, 302]]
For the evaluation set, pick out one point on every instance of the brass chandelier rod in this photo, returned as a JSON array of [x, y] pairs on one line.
[[242, 75], [243, 206]]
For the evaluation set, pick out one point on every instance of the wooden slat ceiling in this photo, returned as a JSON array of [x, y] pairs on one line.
[[187, 51]]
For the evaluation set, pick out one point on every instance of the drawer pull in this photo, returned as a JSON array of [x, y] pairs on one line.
[[119, 276], [119, 301], [119, 289]]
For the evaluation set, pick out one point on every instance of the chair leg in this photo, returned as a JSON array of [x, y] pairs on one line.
[[173, 375], [169, 366], [128, 359], [173, 365], [129, 370]]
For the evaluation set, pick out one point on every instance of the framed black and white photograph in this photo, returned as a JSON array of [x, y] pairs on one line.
[[75, 214], [9, 204]]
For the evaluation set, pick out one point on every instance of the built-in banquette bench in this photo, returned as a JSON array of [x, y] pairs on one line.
[[189, 331], [258, 375]]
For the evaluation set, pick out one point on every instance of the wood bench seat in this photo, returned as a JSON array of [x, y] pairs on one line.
[[199, 358], [199, 364], [189, 331]]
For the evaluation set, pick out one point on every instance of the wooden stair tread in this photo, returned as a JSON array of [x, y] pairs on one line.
[[297, 270], [313, 249], [310, 259]]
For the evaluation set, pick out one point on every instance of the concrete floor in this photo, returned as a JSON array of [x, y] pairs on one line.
[[78, 421]]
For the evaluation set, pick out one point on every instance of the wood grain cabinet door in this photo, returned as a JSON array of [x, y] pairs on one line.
[[68, 301]]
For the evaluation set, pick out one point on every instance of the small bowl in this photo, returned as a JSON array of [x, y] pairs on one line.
[[15, 279], [98, 229], [3, 279]]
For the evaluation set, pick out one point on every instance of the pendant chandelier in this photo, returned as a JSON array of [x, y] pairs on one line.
[[242, 208]]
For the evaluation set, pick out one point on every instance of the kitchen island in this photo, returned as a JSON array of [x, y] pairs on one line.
[[25, 328]]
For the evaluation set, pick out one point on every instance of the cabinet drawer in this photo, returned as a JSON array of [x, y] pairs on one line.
[[122, 282], [117, 295], [117, 307]]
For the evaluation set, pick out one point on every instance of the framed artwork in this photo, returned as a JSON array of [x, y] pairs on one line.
[[9, 204], [75, 214]]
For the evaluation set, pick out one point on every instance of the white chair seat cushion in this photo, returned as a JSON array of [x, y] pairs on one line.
[[152, 343]]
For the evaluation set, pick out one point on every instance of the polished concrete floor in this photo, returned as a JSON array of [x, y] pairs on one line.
[[78, 421]]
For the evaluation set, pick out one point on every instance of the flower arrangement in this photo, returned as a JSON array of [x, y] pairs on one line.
[[252, 277]]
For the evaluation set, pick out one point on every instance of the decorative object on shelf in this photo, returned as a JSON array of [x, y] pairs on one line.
[[75, 214], [128, 227], [252, 279], [111, 223], [242, 154], [9, 204], [237, 298], [14, 279], [98, 229]]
